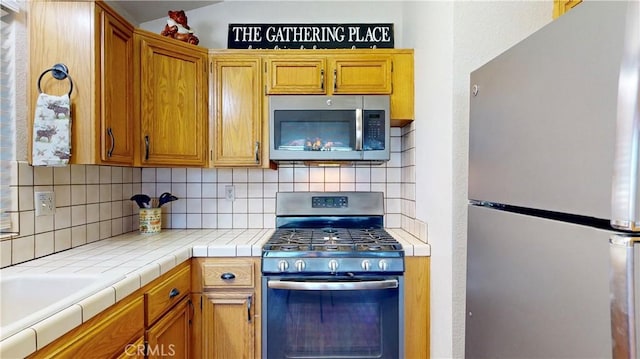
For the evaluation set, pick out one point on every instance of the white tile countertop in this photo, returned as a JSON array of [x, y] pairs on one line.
[[134, 260]]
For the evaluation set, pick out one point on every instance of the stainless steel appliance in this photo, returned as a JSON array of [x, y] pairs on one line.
[[332, 282], [553, 190], [329, 128]]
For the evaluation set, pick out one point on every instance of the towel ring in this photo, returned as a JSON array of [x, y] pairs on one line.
[[59, 72]]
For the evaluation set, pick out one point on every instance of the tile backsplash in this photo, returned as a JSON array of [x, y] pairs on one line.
[[92, 202]]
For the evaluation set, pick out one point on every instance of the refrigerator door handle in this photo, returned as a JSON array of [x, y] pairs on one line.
[[622, 281], [625, 197]]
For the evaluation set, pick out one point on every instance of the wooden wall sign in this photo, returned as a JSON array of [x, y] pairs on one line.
[[309, 36]]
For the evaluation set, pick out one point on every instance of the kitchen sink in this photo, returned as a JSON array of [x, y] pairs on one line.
[[26, 299]]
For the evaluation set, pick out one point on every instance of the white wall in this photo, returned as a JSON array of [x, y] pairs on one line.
[[451, 39], [428, 28]]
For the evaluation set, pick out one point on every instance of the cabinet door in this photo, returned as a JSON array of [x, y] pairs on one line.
[[116, 91], [228, 325], [171, 335], [416, 307], [237, 102], [173, 110], [295, 75], [361, 74], [134, 350], [402, 98]]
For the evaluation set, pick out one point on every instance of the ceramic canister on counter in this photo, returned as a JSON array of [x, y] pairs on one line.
[[150, 220]]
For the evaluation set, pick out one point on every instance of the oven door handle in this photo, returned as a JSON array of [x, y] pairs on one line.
[[312, 285]]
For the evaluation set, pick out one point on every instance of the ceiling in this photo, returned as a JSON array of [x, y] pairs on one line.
[[146, 10]]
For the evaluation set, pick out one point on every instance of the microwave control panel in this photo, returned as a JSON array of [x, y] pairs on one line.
[[373, 131]]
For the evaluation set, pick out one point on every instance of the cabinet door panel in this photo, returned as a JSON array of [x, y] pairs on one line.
[[170, 337], [296, 75], [238, 111], [116, 110], [362, 75], [228, 325], [173, 105]]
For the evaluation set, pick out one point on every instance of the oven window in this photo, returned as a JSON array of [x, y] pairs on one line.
[[333, 324], [314, 130]]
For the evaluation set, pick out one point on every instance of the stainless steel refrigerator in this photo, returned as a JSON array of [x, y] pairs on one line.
[[553, 262]]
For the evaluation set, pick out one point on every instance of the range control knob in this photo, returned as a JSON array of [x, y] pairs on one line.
[[366, 265], [283, 266], [333, 265], [300, 265], [383, 265]]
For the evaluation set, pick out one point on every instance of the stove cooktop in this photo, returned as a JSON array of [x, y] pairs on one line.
[[331, 240], [331, 251], [331, 233]]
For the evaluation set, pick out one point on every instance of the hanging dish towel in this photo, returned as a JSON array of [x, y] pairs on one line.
[[52, 131]]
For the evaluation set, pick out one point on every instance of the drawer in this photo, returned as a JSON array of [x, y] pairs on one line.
[[228, 274], [165, 295]]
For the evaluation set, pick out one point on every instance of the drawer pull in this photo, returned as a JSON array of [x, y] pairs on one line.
[[227, 276], [174, 293]]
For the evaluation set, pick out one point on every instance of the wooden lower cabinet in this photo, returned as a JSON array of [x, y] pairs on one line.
[[134, 350], [171, 335], [416, 304], [104, 336], [226, 298], [228, 324]]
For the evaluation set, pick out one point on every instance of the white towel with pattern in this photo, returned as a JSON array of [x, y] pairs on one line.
[[52, 131]]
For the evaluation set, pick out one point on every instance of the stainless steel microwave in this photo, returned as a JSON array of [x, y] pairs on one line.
[[329, 128]]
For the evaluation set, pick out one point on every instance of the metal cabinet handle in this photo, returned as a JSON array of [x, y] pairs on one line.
[[257, 151], [146, 147], [359, 125], [249, 299], [174, 293], [322, 79], [227, 276], [335, 79], [113, 142]]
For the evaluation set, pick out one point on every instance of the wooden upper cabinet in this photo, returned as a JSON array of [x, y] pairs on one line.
[[344, 72], [402, 97], [116, 95], [562, 6], [97, 48], [338, 74], [361, 74], [295, 75], [173, 102], [238, 112]]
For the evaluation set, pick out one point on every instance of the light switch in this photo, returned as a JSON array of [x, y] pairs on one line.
[[45, 203]]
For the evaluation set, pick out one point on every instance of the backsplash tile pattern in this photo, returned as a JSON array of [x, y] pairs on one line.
[[92, 202], [203, 203]]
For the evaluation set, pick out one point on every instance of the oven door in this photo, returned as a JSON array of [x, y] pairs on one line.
[[332, 317]]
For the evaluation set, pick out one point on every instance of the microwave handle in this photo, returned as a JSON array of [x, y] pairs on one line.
[[358, 129]]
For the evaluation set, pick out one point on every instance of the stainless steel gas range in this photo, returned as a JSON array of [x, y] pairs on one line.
[[332, 279]]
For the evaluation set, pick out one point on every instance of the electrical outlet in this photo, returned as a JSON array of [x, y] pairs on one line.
[[229, 192], [45, 203]]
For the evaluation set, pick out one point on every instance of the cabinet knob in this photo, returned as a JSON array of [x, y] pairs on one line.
[[227, 276], [174, 293]]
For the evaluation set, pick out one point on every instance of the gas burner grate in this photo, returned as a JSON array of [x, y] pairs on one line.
[[331, 239]]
